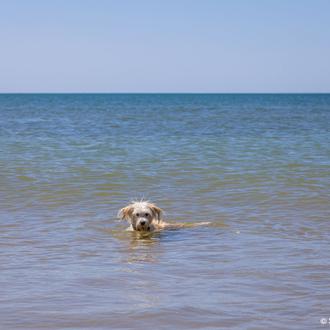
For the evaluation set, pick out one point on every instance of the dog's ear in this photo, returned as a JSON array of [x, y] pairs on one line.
[[157, 211], [126, 212]]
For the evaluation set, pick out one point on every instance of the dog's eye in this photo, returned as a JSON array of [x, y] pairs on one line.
[[137, 214], [146, 214]]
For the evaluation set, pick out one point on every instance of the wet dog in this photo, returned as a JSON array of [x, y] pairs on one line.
[[147, 217]]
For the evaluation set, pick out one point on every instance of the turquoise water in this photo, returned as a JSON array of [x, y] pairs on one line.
[[256, 166]]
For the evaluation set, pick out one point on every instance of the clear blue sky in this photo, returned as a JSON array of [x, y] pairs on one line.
[[165, 46]]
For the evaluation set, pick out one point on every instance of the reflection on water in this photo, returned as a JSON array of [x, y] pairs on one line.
[[256, 166], [138, 246]]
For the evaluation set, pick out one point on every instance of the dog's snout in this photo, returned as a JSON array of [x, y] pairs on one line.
[[143, 222]]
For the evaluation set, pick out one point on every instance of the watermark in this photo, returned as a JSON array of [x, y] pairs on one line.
[[325, 320]]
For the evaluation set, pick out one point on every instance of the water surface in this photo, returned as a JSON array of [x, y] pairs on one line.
[[256, 166]]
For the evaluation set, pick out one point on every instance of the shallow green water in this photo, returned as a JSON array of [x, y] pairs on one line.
[[256, 166]]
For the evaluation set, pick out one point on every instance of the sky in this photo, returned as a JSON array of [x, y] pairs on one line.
[[207, 46]]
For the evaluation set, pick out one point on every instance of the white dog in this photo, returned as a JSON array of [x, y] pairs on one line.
[[146, 216]]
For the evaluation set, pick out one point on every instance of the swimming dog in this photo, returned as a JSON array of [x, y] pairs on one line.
[[147, 217]]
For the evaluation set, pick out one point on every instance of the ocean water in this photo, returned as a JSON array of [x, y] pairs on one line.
[[256, 166]]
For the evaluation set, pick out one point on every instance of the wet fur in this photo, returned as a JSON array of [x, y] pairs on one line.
[[146, 216]]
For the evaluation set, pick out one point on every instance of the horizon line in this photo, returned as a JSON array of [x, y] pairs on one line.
[[215, 93]]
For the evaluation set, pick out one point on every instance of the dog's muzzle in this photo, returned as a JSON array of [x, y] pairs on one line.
[[142, 225]]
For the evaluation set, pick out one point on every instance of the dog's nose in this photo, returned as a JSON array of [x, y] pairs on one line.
[[143, 222]]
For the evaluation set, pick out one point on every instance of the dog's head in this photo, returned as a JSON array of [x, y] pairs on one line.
[[141, 215]]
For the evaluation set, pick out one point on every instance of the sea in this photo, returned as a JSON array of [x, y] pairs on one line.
[[257, 166]]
